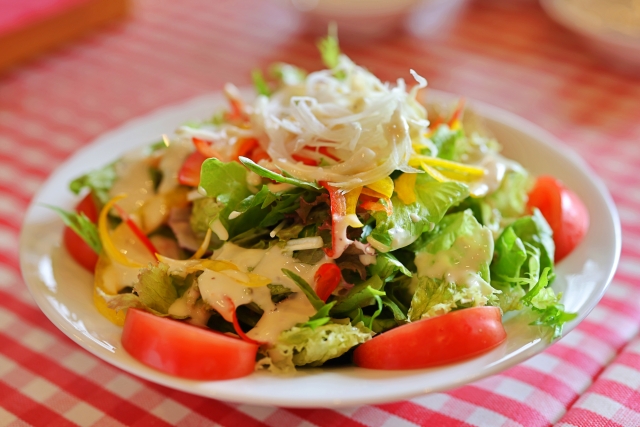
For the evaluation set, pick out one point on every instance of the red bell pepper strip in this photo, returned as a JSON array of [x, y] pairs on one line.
[[370, 200], [325, 152], [189, 173], [327, 279], [205, 148], [245, 146], [376, 207], [136, 230], [338, 211], [306, 160], [236, 325]]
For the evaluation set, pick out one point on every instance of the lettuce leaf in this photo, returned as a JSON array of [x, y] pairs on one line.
[[543, 301], [387, 266], [155, 291], [99, 181], [408, 222], [434, 297], [458, 243], [304, 346], [523, 250], [204, 210], [452, 144]]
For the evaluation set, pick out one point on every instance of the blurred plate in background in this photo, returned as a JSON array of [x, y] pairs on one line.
[[610, 27]]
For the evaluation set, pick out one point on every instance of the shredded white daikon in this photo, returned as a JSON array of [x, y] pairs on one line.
[[367, 124]]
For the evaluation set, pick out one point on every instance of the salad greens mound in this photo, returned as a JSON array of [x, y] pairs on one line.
[[332, 208]]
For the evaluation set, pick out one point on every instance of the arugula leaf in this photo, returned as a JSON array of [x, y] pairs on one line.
[[377, 312], [278, 292], [408, 222], [99, 181], [227, 182], [361, 295], [82, 226], [259, 83], [320, 318], [314, 299], [266, 173]]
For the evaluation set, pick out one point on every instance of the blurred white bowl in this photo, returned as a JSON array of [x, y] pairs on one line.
[[367, 18], [620, 48]]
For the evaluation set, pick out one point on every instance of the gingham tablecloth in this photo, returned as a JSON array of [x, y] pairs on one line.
[[506, 53]]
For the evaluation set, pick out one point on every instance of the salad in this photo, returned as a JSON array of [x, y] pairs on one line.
[[332, 220]]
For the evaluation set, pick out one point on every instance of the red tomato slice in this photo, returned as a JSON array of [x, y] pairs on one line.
[[452, 337], [78, 248], [563, 210], [188, 351], [189, 173]]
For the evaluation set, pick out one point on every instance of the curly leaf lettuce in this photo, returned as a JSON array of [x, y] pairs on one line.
[[306, 346], [434, 297]]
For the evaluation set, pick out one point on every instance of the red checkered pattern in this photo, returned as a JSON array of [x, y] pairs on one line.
[[505, 53]]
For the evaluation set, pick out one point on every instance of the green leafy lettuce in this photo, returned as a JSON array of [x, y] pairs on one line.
[[453, 267], [155, 291], [306, 346], [99, 181], [408, 222], [434, 297]]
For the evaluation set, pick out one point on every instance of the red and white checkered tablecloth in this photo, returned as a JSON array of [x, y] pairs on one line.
[[505, 53]]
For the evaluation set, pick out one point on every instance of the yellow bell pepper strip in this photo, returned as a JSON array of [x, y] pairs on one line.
[[459, 168], [212, 264], [204, 246], [434, 173], [100, 291], [405, 188], [383, 186], [136, 230], [352, 200], [103, 230]]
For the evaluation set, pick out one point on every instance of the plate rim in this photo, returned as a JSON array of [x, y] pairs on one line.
[[492, 112]]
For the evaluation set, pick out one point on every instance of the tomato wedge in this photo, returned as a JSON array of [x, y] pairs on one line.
[[184, 350], [452, 337], [564, 211], [78, 248]]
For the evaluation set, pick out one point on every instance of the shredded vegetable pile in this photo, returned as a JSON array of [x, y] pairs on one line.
[[328, 210]]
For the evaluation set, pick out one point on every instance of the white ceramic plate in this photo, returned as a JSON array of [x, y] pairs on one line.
[[63, 290]]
